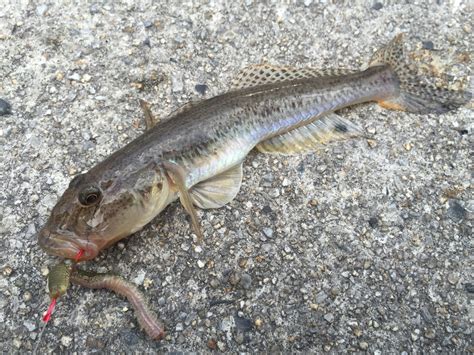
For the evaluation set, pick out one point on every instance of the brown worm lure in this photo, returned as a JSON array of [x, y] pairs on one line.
[[63, 274]]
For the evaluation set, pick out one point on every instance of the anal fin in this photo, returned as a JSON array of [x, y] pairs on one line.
[[310, 137]]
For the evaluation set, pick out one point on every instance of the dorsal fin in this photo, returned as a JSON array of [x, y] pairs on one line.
[[150, 120], [187, 106], [260, 74], [308, 138]]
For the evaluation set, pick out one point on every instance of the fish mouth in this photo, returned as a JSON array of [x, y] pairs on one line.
[[66, 244]]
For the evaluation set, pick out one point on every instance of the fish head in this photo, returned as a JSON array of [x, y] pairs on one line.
[[96, 211]]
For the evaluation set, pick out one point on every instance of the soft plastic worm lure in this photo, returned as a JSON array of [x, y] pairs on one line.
[[65, 273]]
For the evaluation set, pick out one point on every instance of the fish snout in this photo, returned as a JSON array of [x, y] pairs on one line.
[[66, 244]]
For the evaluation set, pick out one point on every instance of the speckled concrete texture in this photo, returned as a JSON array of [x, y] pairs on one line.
[[366, 245]]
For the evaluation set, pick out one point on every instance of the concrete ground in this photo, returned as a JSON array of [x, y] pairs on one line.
[[366, 245]]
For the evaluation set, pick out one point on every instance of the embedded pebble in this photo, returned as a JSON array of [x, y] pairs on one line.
[[329, 317], [30, 326], [246, 281], [86, 78], [66, 341], [41, 9], [212, 344], [27, 296], [234, 278], [5, 108], [428, 45], [177, 83], [469, 287], [455, 211], [274, 193], [321, 297], [268, 232], [17, 343], [74, 77], [453, 278], [373, 222], [372, 143], [377, 6], [138, 280], [430, 333], [214, 283], [7, 270], [221, 346]]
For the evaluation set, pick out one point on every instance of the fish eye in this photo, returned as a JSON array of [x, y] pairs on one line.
[[89, 196]]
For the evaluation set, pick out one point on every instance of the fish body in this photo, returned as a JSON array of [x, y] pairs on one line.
[[196, 154]]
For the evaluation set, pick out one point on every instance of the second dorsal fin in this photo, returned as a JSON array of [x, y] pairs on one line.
[[260, 74]]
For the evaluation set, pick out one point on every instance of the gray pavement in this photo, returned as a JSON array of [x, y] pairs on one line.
[[366, 245]]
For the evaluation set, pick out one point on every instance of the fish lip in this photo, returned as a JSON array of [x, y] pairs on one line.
[[67, 245]]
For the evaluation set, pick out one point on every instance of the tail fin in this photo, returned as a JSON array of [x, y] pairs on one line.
[[415, 94]]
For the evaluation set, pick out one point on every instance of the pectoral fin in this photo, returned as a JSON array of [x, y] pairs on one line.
[[312, 136], [176, 174], [261, 74], [218, 190]]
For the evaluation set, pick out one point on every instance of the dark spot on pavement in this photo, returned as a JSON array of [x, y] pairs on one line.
[[469, 287], [5, 108], [373, 222], [201, 88], [456, 212], [377, 6], [243, 324], [428, 45]]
